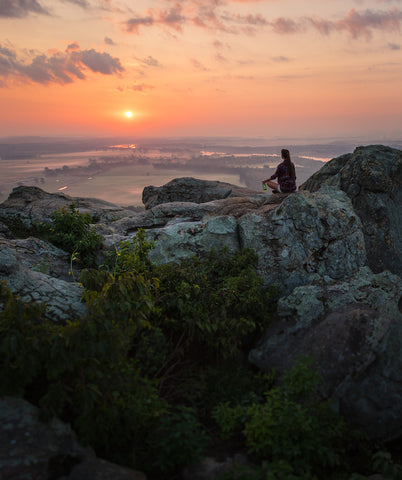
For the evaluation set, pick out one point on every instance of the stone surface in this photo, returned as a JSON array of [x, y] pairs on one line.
[[31, 449], [310, 235], [188, 189], [352, 330], [34, 449], [372, 178], [39, 272], [32, 204]]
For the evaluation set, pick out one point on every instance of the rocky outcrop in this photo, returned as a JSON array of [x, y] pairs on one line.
[[33, 449], [312, 243], [352, 330], [37, 271], [372, 178], [188, 189], [30, 205]]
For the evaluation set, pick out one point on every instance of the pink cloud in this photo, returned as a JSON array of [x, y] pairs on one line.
[[58, 67]]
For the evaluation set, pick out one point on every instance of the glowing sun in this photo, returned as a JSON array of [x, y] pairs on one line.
[[129, 114]]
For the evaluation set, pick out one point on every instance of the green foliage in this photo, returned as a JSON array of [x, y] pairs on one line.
[[18, 227], [159, 360], [20, 347], [80, 371], [280, 470], [217, 301], [179, 440], [70, 230], [290, 426], [384, 464]]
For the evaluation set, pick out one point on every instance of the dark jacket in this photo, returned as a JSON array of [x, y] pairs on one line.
[[286, 182]]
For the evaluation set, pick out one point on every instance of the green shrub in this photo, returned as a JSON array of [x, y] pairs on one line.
[[290, 426], [179, 440], [70, 230]]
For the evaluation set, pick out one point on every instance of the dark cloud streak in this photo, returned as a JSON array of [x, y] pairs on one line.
[[20, 8], [60, 67]]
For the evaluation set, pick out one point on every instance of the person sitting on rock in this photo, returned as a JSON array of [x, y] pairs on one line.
[[286, 175]]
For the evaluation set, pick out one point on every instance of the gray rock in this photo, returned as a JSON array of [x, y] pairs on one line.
[[372, 178], [353, 331], [188, 189], [31, 449], [39, 272], [309, 236], [34, 449], [31, 205]]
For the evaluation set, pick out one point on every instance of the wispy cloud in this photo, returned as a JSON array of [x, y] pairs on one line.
[[80, 3], [150, 61], [108, 41], [60, 67], [137, 87], [216, 15], [20, 8]]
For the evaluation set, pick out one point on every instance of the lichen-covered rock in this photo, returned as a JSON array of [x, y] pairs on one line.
[[30, 205], [353, 331], [39, 272], [372, 178], [188, 189], [309, 236]]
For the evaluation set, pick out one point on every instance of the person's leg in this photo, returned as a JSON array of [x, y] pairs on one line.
[[273, 185]]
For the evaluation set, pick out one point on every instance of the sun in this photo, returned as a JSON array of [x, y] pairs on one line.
[[129, 114]]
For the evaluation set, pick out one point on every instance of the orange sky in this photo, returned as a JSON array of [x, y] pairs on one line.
[[289, 68]]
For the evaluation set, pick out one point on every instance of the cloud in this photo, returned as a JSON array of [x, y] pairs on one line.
[[361, 24], [58, 67], [281, 59], [150, 61], [198, 65], [80, 3], [20, 8], [134, 24], [137, 87], [108, 41], [209, 15], [142, 87], [394, 46]]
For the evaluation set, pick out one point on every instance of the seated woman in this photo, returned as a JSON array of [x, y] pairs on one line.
[[286, 175]]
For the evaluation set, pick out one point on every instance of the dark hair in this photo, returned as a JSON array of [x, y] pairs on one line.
[[288, 162]]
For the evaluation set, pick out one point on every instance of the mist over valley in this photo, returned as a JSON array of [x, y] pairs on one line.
[[117, 169]]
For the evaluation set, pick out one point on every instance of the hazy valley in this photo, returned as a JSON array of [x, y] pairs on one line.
[[117, 169]]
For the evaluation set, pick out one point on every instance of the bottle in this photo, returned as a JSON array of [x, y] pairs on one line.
[[264, 186]]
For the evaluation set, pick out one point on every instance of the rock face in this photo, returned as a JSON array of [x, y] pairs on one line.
[[38, 271], [352, 330], [32, 204], [188, 189], [32, 449], [331, 247], [372, 178]]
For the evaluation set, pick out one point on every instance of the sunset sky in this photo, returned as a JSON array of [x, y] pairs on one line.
[[260, 68]]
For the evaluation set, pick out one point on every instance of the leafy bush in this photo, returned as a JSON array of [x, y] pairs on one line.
[[290, 426], [179, 440], [70, 230]]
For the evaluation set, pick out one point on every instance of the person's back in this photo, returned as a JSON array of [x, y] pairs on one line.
[[286, 175]]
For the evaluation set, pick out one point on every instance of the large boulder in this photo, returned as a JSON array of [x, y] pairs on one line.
[[309, 236], [352, 329], [188, 189], [39, 272], [372, 178], [29, 205], [34, 449]]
